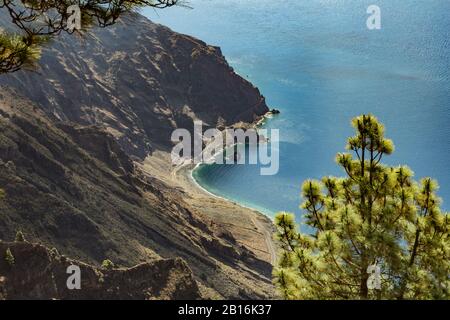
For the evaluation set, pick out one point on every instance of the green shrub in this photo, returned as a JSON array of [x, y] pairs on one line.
[[108, 264], [9, 258], [19, 236]]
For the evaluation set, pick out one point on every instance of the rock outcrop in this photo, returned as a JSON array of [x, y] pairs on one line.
[[40, 273]]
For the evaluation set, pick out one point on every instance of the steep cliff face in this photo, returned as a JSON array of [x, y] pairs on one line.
[[70, 136], [94, 204], [140, 81]]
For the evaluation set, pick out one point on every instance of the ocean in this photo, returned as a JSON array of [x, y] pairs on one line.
[[317, 62]]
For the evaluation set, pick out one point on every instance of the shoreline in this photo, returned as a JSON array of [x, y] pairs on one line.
[[198, 185], [249, 226], [256, 125], [267, 232]]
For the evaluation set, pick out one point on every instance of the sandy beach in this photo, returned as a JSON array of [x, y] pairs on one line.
[[249, 227]]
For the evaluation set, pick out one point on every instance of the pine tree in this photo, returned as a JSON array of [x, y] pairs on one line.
[[18, 52], [375, 219], [9, 258], [19, 236]]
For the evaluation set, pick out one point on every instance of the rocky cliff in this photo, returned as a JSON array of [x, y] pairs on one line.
[[71, 135], [140, 81]]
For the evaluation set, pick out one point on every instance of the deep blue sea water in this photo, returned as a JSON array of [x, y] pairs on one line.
[[317, 62]]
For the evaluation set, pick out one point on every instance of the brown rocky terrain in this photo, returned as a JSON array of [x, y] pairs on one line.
[[161, 279], [73, 138], [140, 81]]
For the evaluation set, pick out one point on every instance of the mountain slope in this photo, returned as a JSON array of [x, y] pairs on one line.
[[64, 196], [71, 136], [140, 81]]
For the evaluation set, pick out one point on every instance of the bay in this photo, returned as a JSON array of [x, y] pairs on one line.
[[316, 61]]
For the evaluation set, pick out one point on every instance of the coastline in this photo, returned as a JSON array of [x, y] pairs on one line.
[[256, 125], [250, 227], [198, 185]]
